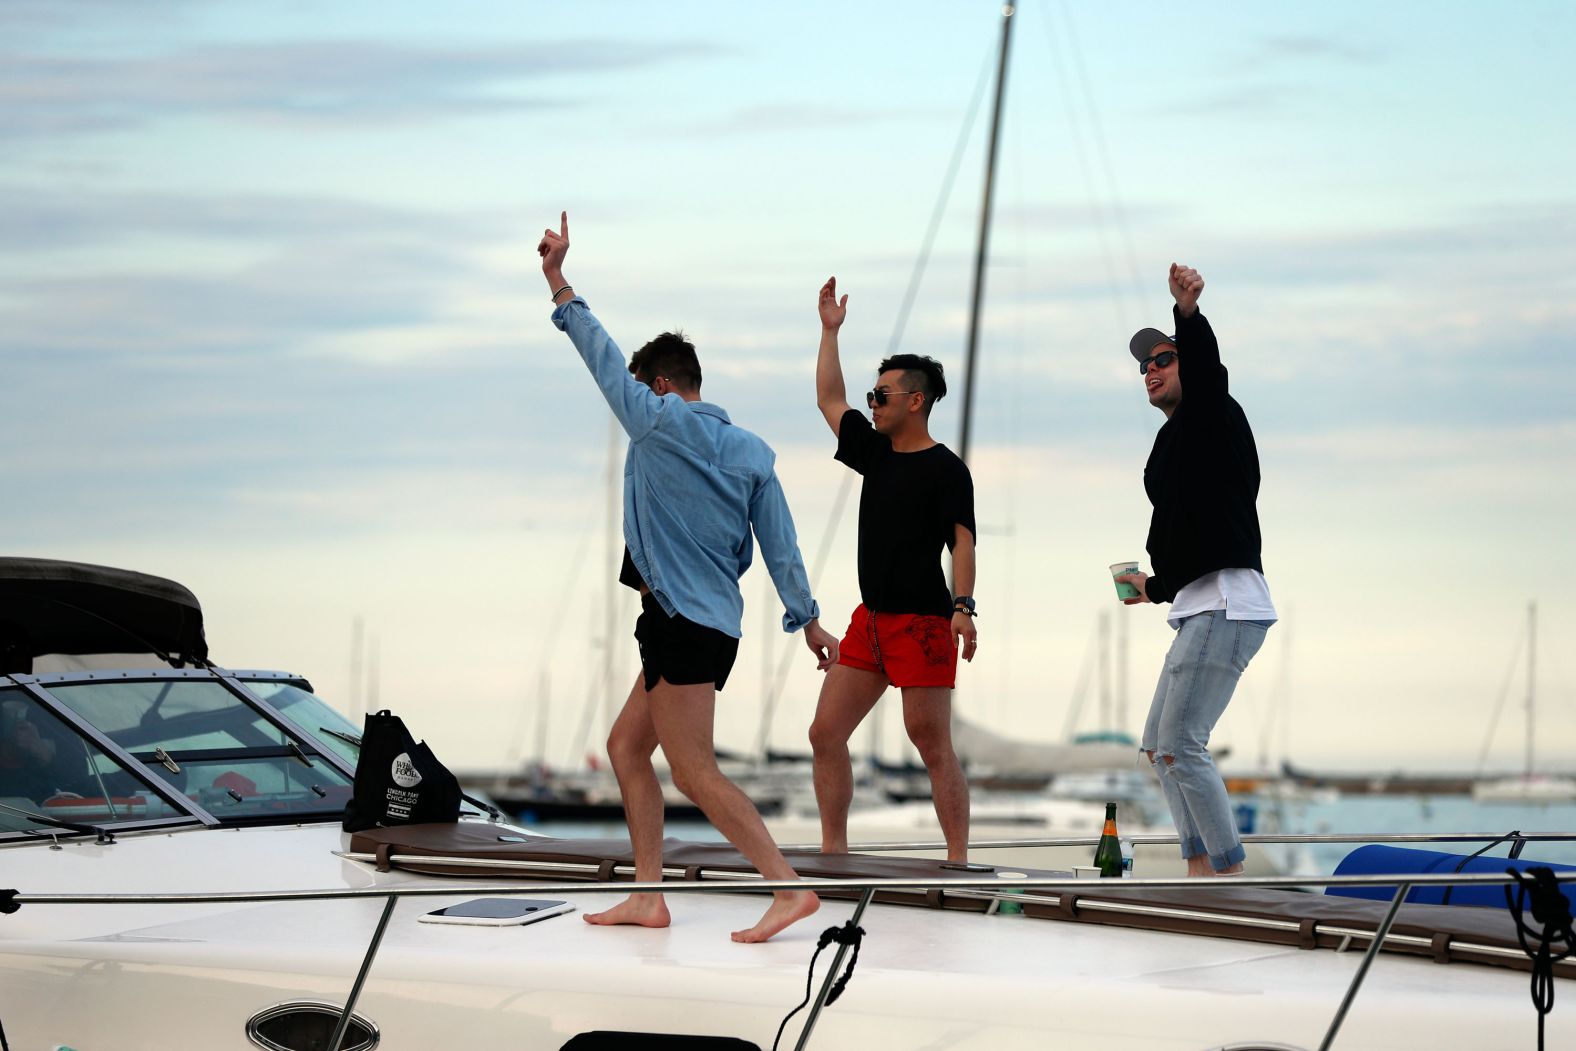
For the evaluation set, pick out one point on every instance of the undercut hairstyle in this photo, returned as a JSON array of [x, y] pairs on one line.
[[919, 373], [670, 355]]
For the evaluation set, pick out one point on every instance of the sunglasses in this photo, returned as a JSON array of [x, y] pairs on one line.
[[874, 398], [1160, 361]]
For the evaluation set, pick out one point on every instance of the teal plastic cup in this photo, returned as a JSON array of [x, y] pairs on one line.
[[1124, 590]]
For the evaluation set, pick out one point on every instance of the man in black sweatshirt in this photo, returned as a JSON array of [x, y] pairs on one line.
[[1203, 481]]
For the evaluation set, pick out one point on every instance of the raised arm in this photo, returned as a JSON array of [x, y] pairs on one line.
[[1198, 354], [1187, 285], [830, 393], [637, 408], [553, 248]]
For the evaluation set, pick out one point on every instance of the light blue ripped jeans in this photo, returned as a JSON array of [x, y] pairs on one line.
[[1201, 671]]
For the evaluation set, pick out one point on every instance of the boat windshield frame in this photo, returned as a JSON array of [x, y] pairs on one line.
[[297, 740]]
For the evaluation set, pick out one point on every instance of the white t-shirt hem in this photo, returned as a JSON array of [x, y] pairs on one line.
[[1242, 593]]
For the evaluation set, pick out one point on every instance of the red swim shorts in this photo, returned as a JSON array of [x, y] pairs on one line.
[[910, 649]]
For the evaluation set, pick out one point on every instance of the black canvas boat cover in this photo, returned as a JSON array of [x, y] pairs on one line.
[[1444, 933], [48, 606]]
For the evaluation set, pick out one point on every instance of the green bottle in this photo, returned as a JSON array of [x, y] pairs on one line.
[[1108, 854]]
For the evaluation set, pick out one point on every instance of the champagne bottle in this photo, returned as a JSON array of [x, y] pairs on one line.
[[1108, 854]]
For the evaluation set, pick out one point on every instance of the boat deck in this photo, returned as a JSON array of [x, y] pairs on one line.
[[1268, 914]]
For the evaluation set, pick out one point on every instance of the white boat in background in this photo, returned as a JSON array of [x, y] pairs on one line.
[[1529, 786], [1014, 828], [175, 875]]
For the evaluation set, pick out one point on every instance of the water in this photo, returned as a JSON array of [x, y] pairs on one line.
[[1345, 814], [1407, 813]]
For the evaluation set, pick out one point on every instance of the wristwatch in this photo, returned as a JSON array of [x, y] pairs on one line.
[[964, 604]]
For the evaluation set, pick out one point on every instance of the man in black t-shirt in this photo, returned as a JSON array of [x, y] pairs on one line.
[[917, 498]]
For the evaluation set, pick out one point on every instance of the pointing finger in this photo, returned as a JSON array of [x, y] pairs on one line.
[[563, 220]]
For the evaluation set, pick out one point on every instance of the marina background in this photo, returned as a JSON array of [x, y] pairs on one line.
[[272, 326]]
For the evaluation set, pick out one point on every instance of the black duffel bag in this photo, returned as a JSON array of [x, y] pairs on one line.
[[398, 779]]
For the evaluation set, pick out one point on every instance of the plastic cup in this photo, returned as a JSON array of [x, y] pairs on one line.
[[1124, 590], [1086, 871]]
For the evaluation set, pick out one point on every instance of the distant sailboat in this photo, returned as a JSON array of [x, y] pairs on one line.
[[1528, 787]]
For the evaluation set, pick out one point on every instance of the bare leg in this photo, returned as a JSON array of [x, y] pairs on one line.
[[927, 715], [682, 716], [630, 746], [847, 695]]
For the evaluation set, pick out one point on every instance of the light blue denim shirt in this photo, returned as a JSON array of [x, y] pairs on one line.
[[694, 486]]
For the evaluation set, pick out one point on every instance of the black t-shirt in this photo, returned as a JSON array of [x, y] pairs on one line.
[[908, 509]]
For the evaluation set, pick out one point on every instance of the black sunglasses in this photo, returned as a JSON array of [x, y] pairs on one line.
[[879, 397], [1161, 360]]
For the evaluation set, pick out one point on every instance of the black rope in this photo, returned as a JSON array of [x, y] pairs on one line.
[[847, 934], [1551, 908], [1514, 850]]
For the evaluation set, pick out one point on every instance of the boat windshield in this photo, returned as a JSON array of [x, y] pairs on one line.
[[47, 769], [332, 730], [204, 741]]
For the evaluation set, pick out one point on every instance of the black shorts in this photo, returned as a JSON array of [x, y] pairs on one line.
[[679, 651]]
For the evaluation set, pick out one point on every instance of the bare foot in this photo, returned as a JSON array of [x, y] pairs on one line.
[[641, 910], [788, 907]]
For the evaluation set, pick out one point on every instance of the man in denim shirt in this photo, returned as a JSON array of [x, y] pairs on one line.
[[694, 488]]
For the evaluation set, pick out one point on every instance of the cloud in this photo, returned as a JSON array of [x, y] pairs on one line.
[[19, 17], [44, 218], [261, 307], [1308, 47], [331, 84], [777, 117], [170, 278], [1269, 77]]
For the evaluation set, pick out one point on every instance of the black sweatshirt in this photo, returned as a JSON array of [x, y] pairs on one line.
[[1203, 474]]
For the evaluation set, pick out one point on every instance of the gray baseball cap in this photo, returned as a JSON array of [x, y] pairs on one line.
[[1146, 340]]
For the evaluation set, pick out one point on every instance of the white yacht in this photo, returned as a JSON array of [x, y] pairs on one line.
[[173, 874]]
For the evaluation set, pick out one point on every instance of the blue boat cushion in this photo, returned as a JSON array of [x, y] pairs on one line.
[[1379, 860]]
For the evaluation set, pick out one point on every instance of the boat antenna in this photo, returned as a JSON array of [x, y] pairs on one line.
[[982, 251]]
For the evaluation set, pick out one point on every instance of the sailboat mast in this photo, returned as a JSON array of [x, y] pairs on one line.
[[612, 561], [1532, 651], [983, 249]]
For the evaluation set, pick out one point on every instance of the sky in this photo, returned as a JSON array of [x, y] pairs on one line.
[[272, 324]]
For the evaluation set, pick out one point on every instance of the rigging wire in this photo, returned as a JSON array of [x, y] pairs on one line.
[[1097, 131], [1081, 152], [1075, 705], [1499, 704], [942, 199], [905, 308], [572, 572]]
